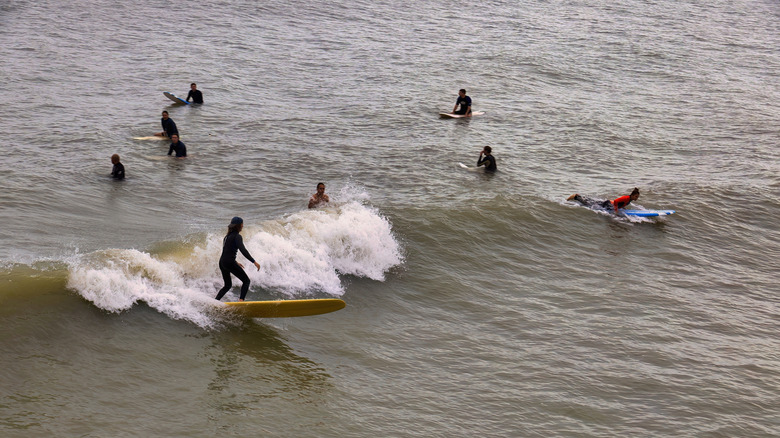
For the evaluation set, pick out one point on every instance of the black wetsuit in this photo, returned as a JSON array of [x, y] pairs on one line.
[[231, 244], [169, 127], [180, 148], [489, 162], [196, 95], [118, 172], [465, 105]]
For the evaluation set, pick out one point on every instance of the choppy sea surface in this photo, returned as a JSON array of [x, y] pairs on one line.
[[477, 305]]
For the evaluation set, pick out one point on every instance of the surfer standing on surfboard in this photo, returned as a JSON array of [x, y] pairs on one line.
[[614, 204], [320, 197], [464, 102], [231, 244], [169, 127], [486, 159]]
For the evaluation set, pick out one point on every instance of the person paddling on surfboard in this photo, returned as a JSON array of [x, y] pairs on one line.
[[320, 197], [486, 159], [169, 127], [195, 94], [231, 244], [614, 204], [464, 102]]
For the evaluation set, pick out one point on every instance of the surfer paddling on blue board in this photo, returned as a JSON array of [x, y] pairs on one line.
[[613, 204], [178, 147], [464, 102], [195, 94], [169, 127], [231, 244], [486, 159], [320, 198]]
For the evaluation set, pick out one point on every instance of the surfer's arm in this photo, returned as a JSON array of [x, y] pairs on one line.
[[242, 248]]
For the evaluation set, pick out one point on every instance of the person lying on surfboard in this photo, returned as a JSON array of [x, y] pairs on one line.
[[231, 244], [614, 204], [319, 198], [169, 127], [488, 160], [464, 102]]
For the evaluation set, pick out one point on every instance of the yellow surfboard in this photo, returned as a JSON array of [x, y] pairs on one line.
[[286, 308]]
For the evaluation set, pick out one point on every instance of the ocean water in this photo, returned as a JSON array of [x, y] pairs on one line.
[[477, 305]]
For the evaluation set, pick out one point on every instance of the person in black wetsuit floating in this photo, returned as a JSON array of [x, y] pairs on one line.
[[231, 244], [118, 171], [195, 94], [169, 127], [486, 159], [178, 147]]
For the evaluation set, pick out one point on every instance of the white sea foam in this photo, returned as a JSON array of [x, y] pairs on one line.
[[299, 255]]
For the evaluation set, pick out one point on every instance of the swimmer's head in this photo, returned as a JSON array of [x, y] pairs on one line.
[[174, 137], [635, 194], [236, 221], [115, 159], [165, 114], [487, 149]]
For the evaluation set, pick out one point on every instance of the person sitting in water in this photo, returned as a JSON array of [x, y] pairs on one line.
[[319, 198], [614, 204], [195, 94], [118, 171], [169, 127], [464, 102], [488, 160], [178, 146]]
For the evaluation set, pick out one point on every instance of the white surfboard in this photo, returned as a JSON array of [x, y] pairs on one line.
[[470, 169], [152, 137], [460, 116], [158, 157]]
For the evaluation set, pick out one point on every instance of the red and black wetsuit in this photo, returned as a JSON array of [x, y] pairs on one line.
[[621, 202]]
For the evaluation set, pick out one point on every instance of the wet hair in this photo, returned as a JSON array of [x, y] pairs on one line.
[[234, 227], [320, 184], [488, 149], [463, 90], [165, 112], [193, 84], [115, 158], [635, 192]]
